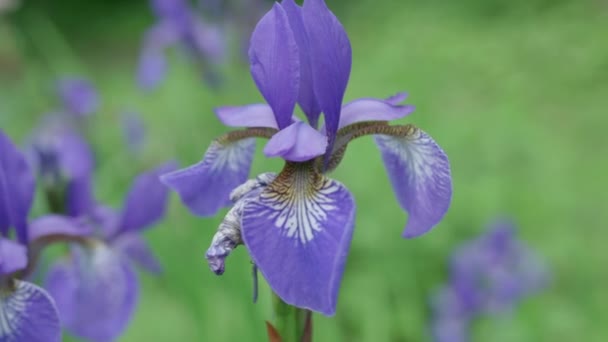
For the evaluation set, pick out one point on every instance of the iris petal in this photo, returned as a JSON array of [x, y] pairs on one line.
[[146, 201], [275, 66], [372, 110], [420, 173], [13, 257], [136, 249], [330, 57], [297, 142], [16, 189], [205, 187], [306, 96], [152, 65], [255, 115], [96, 293], [298, 233], [28, 314]]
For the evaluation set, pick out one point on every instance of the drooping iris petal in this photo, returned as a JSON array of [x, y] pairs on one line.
[[297, 142], [372, 110], [13, 257], [95, 291], [330, 58], [146, 201], [205, 187], [306, 97], [79, 96], [137, 250], [255, 115], [298, 233], [420, 173], [275, 66], [28, 314], [16, 189]]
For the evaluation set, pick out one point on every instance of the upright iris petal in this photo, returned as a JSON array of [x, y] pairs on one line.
[[298, 233], [331, 58], [420, 173], [205, 187], [16, 189], [306, 96], [275, 65]]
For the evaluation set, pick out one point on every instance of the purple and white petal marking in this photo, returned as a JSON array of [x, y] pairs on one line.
[[205, 187], [298, 233], [420, 173]]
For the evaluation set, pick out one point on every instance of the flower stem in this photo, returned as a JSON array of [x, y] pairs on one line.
[[293, 324]]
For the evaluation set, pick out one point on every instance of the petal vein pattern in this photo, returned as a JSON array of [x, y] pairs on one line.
[[297, 210], [205, 187], [298, 233], [420, 174], [28, 314]]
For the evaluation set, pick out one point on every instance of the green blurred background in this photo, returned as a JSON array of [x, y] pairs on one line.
[[515, 92]]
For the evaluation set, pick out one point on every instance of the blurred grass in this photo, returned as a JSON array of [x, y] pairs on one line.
[[516, 98]]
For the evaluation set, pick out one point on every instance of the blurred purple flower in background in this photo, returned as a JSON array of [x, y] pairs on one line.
[[27, 312], [298, 226], [134, 131], [64, 163], [96, 287], [78, 96], [178, 25], [490, 274]]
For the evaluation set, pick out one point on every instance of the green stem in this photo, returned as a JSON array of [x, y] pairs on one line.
[[290, 322]]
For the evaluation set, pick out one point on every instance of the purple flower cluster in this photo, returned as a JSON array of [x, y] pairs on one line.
[[489, 274], [297, 225], [27, 312], [95, 287], [93, 290]]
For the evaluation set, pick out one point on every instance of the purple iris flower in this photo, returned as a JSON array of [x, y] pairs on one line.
[[298, 226], [78, 96], [96, 287], [27, 312], [64, 162], [488, 275], [178, 25]]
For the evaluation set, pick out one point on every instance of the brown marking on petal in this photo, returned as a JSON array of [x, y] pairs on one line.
[[351, 132], [296, 179], [255, 132]]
